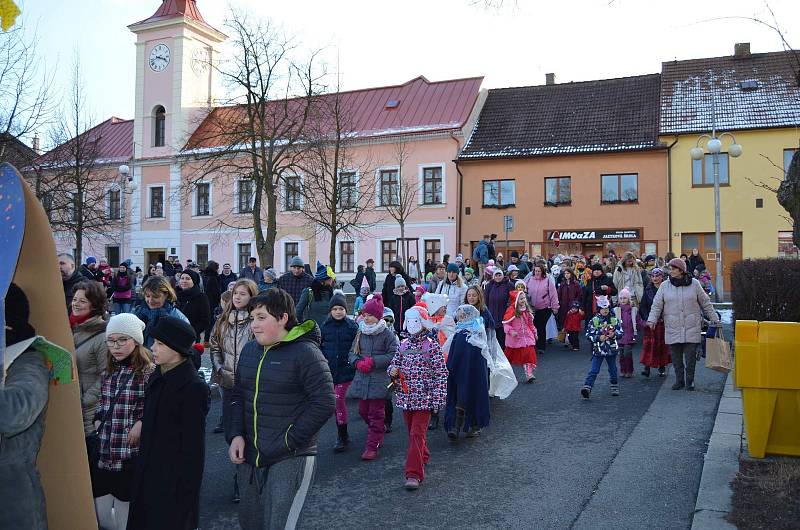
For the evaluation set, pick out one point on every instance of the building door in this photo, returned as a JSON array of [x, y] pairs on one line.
[[153, 256], [705, 243]]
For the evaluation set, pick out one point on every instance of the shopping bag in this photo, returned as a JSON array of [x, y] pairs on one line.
[[552, 328], [718, 353], [502, 380]]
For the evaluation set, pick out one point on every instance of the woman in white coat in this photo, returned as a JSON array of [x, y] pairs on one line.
[[681, 302], [454, 287]]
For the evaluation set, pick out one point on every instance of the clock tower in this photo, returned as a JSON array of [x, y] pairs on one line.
[[174, 81]]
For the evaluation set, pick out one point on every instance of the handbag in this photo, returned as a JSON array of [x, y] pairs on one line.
[[93, 438], [718, 353]]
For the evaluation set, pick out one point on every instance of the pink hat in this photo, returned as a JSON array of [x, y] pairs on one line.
[[624, 293], [678, 263], [374, 307]]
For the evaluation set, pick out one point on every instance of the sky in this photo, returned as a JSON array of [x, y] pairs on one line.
[[379, 42]]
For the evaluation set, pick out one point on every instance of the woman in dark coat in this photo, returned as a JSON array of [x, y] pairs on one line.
[[495, 294], [313, 303], [213, 287], [569, 291], [192, 302], [395, 269], [166, 487], [598, 285]]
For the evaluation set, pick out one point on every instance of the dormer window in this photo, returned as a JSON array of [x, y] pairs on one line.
[[748, 85], [159, 130], [392, 104]]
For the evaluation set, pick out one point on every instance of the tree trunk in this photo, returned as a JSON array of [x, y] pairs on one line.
[[332, 250], [400, 253]]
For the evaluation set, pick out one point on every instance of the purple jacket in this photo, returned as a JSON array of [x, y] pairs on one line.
[[626, 316], [496, 297]]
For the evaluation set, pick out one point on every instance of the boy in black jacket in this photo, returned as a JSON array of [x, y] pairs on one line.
[[282, 396]]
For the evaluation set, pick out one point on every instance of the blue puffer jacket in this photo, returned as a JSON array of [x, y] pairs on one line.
[[337, 339]]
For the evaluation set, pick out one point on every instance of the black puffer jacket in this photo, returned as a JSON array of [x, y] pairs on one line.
[[193, 303], [595, 288], [294, 397]]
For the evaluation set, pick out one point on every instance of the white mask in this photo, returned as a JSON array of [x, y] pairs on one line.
[[414, 326]]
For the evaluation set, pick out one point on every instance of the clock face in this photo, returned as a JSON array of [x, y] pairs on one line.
[[159, 57]]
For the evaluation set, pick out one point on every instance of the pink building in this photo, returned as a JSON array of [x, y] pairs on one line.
[[210, 219]]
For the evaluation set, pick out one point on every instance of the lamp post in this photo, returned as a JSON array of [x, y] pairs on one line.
[[126, 180], [714, 147]]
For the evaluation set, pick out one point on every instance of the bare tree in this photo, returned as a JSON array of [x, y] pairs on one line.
[[398, 192], [26, 99], [337, 187], [70, 180], [258, 132]]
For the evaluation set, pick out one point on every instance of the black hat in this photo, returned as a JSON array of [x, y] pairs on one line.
[[195, 277], [18, 313], [597, 267], [514, 254], [337, 300], [175, 333]]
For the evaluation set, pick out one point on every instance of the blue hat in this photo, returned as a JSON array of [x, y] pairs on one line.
[[296, 261], [323, 272], [452, 267], [90, 260]]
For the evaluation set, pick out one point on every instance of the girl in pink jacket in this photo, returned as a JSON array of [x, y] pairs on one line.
[[520, 334]]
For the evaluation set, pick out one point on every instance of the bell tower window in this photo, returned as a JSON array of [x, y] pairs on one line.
[[159, 130]]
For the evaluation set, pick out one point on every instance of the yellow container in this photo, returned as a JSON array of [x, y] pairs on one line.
[[768, 374]]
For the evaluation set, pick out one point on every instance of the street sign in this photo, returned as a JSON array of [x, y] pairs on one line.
[[508, 223]]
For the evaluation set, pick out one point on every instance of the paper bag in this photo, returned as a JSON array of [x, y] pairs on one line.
[[718, 354]]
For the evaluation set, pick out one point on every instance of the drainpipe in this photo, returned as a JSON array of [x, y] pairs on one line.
[[460, 194], [669, 190]]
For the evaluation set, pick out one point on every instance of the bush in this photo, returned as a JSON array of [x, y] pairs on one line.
[[766, 289]]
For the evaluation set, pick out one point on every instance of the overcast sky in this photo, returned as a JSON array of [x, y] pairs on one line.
[[380, 42]]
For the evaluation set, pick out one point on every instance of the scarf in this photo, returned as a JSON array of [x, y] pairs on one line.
[[152, 316], [75, 321], [372, 329], [684, 281]]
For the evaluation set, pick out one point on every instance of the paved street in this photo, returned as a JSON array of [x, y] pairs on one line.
[[548, 460]]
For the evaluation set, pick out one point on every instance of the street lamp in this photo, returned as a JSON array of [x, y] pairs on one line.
[[714, 146], [126, 180]]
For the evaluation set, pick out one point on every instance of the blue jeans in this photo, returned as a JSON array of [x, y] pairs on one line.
[[121, 307], [597, 363]]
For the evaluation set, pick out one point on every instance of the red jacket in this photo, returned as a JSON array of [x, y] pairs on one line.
[[573, 319]]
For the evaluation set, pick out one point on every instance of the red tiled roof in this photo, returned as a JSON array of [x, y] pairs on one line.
[[114, 143], [176, 8], [418, 106]]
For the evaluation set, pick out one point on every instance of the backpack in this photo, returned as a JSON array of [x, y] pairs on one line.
[[476, 257]]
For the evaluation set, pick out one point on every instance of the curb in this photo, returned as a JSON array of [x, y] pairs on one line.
[[721, 463]]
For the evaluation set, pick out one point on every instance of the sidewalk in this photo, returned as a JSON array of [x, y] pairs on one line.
[[721, 463]]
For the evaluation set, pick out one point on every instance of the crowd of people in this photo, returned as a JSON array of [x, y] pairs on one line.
[[287, 351]]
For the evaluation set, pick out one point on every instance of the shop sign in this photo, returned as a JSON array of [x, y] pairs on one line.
[[594, 235]]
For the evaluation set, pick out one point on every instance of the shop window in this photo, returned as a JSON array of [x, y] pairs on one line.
[[619, 188], [788, 154], [388, 253], [347, 256], [499, 193], [557, 191], [703, 171], [290, 250]]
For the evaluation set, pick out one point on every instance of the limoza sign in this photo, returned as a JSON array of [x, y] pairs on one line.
[[595, 235]]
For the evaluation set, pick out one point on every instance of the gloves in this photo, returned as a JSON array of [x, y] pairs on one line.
[[365, 365]]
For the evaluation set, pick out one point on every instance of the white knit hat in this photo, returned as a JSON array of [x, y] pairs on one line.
[[126, 324]]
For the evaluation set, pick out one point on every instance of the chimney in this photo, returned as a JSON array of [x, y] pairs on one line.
[[741, 50], [550, 79], [36, 148]]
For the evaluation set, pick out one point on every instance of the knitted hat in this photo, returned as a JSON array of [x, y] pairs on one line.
[[195, 277], [271, 273], [90, 260], [511, 268], [658, 271], [459, 259], [603, 302], [597, 267], [518, 284], [388, 313], [525, 257], [296, 261], [374, 306], [496, 271], [490, 263], [678, 263], [324, 272], [624, 293], [434, 302], [514, 254], [399, 282], [126, 324], [364, 290], [469, 270], [337, 299], [175, 333], [417, 312]]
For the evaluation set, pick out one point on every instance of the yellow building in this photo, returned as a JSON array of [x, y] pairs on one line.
[[756, 98]]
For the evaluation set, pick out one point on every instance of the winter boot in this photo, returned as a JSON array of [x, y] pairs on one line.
[[342, 439], [586, 391], [614, 390], [529, 377], [646, 371], [662, 371], [458, 425], [678, 385], [433, 424]]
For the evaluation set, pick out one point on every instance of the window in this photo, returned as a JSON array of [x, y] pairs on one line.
[[347, 256], [202, 199], [114, 204], [557, 190], [292, 194], [619, 188], [433, 250], [290, 250], [201, 255], [499, 193], [246, 195], [243, 251], [703, 170], [112, 255], [388, 253], [159, 129], [389, 188], [787, 159], [348, 194], [432, 185], [157, 202]]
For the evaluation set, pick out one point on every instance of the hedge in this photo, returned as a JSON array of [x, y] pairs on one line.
[[766, 289]]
